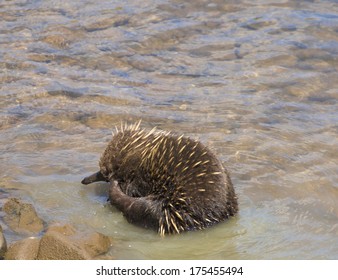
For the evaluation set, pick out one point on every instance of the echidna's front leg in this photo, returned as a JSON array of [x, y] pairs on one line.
[[137, 210]]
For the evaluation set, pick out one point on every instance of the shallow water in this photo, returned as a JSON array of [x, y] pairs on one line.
[[257, 82]]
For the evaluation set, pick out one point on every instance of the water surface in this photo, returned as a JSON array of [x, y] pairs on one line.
[[257, 82]]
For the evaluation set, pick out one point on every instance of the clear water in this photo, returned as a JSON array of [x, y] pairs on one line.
[[254, 80]]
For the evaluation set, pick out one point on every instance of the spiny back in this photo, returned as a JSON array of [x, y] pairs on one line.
[[163, 155]]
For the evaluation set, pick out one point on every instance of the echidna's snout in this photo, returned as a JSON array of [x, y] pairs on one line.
[[96, 177]]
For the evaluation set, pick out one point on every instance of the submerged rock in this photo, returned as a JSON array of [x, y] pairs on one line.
[[3, 244], [21, 217], [96, 244], [67, 229]]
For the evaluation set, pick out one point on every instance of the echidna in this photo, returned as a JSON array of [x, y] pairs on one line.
[[166, 182]]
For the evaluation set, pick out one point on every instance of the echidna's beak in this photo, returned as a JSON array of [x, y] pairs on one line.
[[96, 177]]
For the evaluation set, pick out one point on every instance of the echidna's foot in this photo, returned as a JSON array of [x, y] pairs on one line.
[[137, 210]]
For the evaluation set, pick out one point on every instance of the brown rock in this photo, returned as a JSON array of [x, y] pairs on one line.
[[56, 246], [96, 244], [66, 230], [21, 216], [57, 41], [25, 249], [3, 244], [107, 23], [60, 242]]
